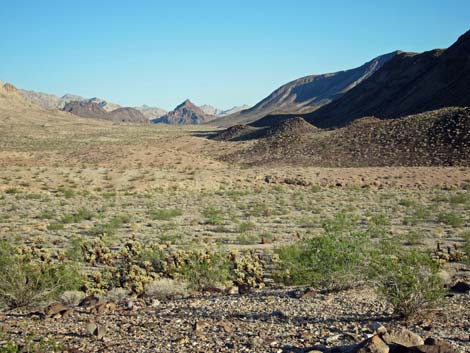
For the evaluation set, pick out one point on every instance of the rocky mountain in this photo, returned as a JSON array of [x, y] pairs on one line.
[[210, 110], [308, 93], [409, 83], [93, 110], [50, 102], [185, 113], [151, 112]]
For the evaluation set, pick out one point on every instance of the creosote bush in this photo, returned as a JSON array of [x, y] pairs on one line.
[[407, 278], [30, 277], [331, 261]]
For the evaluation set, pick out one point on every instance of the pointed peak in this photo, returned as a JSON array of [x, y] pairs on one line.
[[185, 104]]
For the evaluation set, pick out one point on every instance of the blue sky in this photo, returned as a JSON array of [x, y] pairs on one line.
[[223, 53]]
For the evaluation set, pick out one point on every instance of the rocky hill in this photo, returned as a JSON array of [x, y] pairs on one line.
[[209, 109], [308, 93], [93, 110], [185, 113], [435, 138]]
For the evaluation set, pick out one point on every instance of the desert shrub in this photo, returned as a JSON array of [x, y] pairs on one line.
[[213, 216], [460, 198], [205, 269], [81, 215], [166, 214], [331, 261], [55, 226], [407, 278], [466, 247], [248, 239], [246, 226], [26, 281], [420, 214], [451, 218]]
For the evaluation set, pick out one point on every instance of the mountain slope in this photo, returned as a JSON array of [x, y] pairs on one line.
[[87, 109], [308, 93], [407, 84], [185, 113]]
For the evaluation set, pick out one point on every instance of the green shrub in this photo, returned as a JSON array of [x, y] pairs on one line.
[[451, 218], [79, 216], [460, 198], [466, 247], [26, 281], [55, 226], [246, 226], [213, 215], [407, 278], [331, 261], [166, 214], [206, 269]]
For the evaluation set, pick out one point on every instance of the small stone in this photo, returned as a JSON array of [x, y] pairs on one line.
[[89, 301], [55, 310], [232, 290], [403, 337], [373, 345]]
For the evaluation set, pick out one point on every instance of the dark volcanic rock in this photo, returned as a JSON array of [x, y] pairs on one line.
[[185, 113]]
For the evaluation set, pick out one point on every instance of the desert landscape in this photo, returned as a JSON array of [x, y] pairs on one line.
[[331, 216]]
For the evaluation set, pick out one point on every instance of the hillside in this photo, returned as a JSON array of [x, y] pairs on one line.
[[93, 110], [185, 113], [435, 138], [308, 93], [407, 84]]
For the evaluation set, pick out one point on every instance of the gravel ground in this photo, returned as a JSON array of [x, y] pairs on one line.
[[270, 320]]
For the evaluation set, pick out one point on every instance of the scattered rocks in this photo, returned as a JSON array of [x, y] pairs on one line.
[[89, 301]]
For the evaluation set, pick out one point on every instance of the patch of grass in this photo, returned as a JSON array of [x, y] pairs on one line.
[[246, 226], [451, 219], [247, 239], [55, 226], [460, 198], [213, 216], [79, 216], [12, 191], [166, 214]]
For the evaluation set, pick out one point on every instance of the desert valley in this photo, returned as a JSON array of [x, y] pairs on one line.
[[331, 216]]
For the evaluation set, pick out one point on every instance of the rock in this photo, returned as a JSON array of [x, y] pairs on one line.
[[232, 290], [226, 326], [445, 277], [96, 330], [309, 293], [89, 301], [373, 345], [378, 328], [56, 310], [104, 308], [403, 337], [460, 287]]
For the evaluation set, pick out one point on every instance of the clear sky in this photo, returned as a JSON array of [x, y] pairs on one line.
[[217, 52]]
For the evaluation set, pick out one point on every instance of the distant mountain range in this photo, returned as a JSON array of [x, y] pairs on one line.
[[51, 102], [94, 110], [210, 110], [308, 93]]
